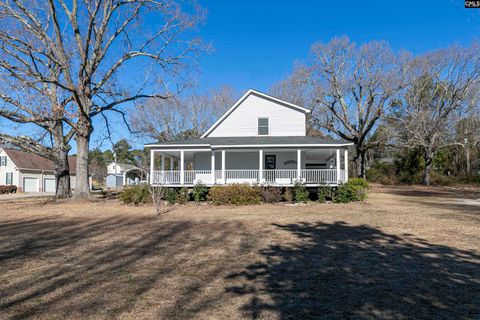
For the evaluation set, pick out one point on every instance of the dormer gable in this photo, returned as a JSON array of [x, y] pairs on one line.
[[259, 114]]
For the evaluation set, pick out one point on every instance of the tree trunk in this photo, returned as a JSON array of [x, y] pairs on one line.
[[62, 166], [363, 164], [62, 177], [82, 181], [428, 157], [467, 156]]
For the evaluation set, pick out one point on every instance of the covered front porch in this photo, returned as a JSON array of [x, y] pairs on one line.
[[313, 166]]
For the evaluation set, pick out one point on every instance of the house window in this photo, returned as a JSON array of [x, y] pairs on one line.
[[9, 178], [3, 161], [263, 126]]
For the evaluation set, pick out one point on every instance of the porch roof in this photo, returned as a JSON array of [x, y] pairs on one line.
[[257, 141]]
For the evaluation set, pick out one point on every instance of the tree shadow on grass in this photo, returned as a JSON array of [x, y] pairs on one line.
[[102, 268], [338, 271]]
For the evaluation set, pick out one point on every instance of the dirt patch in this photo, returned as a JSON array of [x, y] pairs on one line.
[[403, 254]]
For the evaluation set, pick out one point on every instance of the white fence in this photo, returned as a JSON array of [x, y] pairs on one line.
[[269, 177]]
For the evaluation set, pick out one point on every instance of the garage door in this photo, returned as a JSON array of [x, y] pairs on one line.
[[30, 184], [49, 185]]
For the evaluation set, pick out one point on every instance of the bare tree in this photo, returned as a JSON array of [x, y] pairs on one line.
[[468, 136], [23, 100], [182, 116], [442, 86], [97, 44], [296, 89], [158, 198], [351, 87]]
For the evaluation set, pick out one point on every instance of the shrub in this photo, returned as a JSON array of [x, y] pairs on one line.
[[300, 192], [135, 195], [344, 194], [325, 193], [383, 173], [271, 194], [287, 195], [358, 182], [200, 192], [236, 194], [354, 190], [8, 189], [171, 195], [182, 195]]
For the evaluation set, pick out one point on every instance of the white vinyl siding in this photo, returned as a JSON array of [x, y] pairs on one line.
[[10, 168], [243, 121]]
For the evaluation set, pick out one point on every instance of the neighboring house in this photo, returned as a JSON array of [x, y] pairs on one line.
[[259, 140], [30, 172], [122, 174]]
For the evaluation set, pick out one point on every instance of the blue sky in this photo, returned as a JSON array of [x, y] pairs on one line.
[[256, 42]]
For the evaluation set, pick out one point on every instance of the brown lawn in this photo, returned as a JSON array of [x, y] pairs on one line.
[[409, 252]]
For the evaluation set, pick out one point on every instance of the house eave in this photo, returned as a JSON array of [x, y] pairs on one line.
[[239, 146], [320, 145]]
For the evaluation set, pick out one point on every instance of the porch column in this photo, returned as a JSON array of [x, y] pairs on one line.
[[163, 162], [213, 167], [182, 165], [260, 166], [224, 179], [152, 158], [345, 158], [338, 165], [299, 164]]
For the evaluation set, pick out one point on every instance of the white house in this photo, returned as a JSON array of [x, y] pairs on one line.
[[30, 172], [123, 174], [259, 140], [116, 167]]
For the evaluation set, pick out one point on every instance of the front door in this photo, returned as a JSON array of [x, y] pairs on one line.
[[270, 164]]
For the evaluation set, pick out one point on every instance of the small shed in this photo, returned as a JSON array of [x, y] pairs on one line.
[[114, 181]]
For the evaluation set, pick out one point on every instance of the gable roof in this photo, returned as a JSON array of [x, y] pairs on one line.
[[263, 141], [33, 161], [245, 96]]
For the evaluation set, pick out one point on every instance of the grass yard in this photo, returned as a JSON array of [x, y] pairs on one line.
[[410, 252]]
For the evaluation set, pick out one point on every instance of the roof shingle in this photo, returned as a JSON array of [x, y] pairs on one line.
[[33, 161], [257, 140]]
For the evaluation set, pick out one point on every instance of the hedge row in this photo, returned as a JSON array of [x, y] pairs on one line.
[[8, 189], [244, 194]]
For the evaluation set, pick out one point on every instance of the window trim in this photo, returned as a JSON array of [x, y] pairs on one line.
[[8, 181], [263, 126], [3, 161]]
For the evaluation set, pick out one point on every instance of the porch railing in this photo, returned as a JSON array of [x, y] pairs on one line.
[[320, 175], [285, 177]]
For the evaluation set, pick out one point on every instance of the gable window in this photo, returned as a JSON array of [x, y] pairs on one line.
[[9, 178], [3, 161], [263, 126]]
